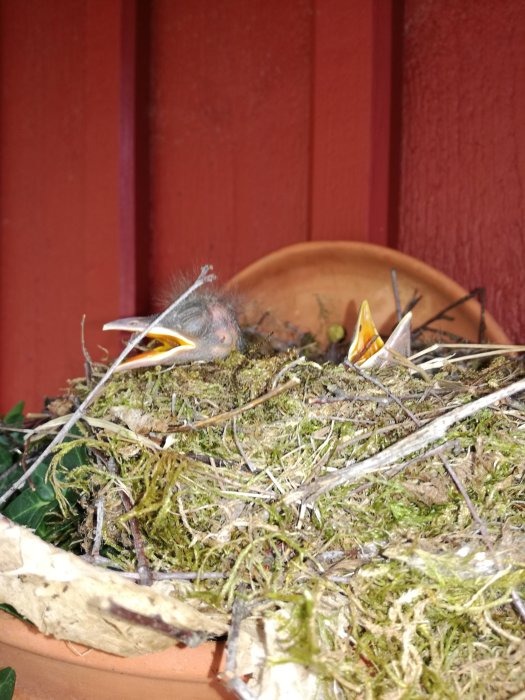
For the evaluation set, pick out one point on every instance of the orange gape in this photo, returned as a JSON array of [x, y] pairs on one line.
[[366, 340], [202, 328], [368, 349]]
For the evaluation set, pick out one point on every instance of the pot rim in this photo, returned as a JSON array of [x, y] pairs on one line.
[[313, 250], [202, 663]]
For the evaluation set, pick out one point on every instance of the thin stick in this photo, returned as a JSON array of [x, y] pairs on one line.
[[97, 541], [517, 601], [203, 278], [442, 314], [467, 346], [418, 458], [189, 637], [519, 605], [239, 612], [435, 430], [251, 466], [143, 567], [395, 290], [299, 361], [88, 362], [387, 391], [482, 297], [412, 303], [468, 501], [221, 417], [438, 362], [105, 563]]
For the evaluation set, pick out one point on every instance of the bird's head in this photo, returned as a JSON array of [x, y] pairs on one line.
[[202, 328]]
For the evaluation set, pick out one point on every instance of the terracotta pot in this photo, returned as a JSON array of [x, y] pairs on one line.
[[312, 285], [48, 669]]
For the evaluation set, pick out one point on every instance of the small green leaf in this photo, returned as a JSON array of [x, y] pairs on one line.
[[7, 683], [74, 458], [30, 506], [6, 460], [9, 609], [9, 478], [16, 415]]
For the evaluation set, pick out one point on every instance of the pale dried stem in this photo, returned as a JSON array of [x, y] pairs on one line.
[[435, 430]]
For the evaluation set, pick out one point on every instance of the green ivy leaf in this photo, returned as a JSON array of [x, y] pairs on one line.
[[12, 611], [36, 505], [6, 459], [7, 683], [16, 415], [7, 481], [30, 506]]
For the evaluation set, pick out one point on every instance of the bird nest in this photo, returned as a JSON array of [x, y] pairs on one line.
[[362, 532]]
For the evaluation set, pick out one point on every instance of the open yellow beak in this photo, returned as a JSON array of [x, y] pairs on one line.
[[366, 341], [166, 342]]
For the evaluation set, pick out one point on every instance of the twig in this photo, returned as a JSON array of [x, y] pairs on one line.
[[366, 347], [517, 601], [143, 567], [438, 450], [9, 471], [221, 417], [88, 362], [468, 501], [467, 346], [239, 612], [419, 439], [438, 362], [251, 466], [203, 278], [395, 290], [482, 296], [442, 314], [105, 563], [519, 605], [180, 575], [412, 303], [299, 361], [342, 396], [97, 540], [101, 423], [387, 391], [191, 638]]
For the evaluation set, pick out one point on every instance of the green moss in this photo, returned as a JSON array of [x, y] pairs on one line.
[[378, 587]]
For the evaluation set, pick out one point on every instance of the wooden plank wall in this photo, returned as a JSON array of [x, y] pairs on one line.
[[61, 149], [462, 169], [139, 138], [262, 130]]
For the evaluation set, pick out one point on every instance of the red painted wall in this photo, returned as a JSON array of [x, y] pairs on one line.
[[462, 206], [262, 128], [59, 203], [139, 138]]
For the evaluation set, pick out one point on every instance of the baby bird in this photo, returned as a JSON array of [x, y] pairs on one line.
[[202, 328]]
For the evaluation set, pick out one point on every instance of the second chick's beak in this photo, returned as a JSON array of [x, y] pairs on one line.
[[368, 349], [202, 328]]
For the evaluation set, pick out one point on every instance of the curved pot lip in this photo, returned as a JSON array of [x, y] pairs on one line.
[[313, 250], [202, 662]]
